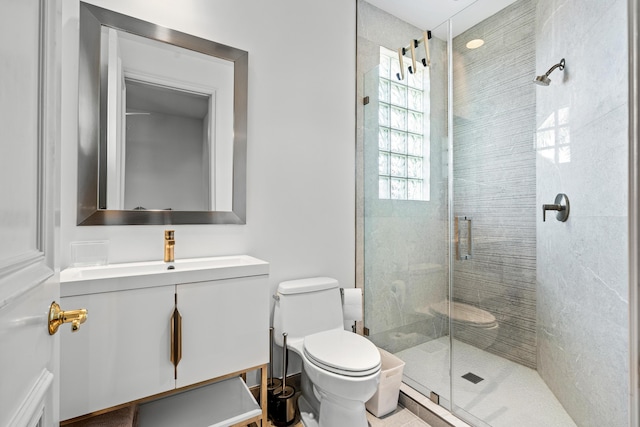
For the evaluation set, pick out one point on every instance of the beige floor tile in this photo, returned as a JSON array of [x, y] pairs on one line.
[[416, 423], [401, 417]]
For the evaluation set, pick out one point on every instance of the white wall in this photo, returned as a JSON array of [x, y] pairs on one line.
[[301, 131], [164, 165]]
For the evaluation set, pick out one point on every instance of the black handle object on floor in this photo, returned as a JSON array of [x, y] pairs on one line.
[[284, 410], [273, 384]]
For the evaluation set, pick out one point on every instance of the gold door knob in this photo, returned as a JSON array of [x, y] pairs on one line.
[[57, 317]]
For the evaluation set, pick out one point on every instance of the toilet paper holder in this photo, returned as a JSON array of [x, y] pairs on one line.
[[353, 327], [351, 306], [342, 292]]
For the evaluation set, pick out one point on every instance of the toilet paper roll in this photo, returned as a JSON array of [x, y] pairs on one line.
[[352, 304]]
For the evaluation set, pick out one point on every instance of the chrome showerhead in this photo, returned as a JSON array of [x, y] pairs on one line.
[[544, 80]]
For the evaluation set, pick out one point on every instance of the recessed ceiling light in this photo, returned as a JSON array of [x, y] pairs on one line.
[[474, 44]]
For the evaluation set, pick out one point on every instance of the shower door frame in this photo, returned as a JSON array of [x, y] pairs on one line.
[[634, 209]]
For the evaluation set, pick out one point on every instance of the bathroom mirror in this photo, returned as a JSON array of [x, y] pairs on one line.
[[162, 125]]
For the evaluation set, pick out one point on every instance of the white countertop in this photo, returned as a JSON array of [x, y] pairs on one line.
[[135, 275]]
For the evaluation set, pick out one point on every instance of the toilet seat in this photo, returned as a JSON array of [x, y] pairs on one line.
[[465, 314], [342, 352]]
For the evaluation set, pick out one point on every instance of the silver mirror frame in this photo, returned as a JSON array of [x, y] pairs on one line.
[[92, 119]]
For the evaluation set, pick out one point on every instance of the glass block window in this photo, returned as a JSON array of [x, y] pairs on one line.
[[403, 112]]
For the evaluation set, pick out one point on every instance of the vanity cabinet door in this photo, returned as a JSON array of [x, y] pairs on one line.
[[121, 353], [225, 327]]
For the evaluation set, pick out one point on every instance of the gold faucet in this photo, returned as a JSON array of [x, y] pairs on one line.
[[169, 243]]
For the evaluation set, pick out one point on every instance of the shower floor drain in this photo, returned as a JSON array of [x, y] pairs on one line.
[[472, 377]]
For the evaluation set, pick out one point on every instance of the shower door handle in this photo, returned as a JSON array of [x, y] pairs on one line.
[[463, 253]]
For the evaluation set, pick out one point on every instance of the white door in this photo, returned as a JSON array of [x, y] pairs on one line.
[[29, 144]]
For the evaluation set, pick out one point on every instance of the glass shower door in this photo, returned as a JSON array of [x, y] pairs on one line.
[[493, 286], [405, 210]]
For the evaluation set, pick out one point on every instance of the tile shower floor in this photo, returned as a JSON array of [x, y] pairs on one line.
[[509, 394]]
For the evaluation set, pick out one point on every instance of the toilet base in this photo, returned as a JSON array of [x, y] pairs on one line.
[[307, 415], [340, 412], [333, 412]]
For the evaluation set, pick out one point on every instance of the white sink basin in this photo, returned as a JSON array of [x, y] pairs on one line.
[[112, 277]]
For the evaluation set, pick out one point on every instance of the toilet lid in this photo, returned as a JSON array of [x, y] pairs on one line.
[[342, 352], [465, 313]]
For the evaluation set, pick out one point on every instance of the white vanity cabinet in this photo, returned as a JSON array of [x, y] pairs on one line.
[[123, 352], [223, 323]]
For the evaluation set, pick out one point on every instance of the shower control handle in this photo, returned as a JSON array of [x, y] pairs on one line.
[[546, 208], [561, 205]]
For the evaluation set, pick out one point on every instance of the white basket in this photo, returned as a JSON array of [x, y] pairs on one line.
[[386, 398]]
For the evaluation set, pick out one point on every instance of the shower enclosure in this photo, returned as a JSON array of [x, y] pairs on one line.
[[505, 318]]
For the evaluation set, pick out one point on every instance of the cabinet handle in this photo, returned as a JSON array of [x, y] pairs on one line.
[[176, 340]]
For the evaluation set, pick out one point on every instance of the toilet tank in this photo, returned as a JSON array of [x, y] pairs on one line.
[[306, 306]]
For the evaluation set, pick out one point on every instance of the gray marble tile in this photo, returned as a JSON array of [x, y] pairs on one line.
[[582, 267]]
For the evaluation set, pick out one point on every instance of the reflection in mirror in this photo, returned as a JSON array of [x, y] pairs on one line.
[[169, 126], [162, 124]]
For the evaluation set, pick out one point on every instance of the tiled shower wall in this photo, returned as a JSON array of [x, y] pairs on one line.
[[402, 258], [495, 176], [582, 263]]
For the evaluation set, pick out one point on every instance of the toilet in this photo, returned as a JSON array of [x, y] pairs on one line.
[[340, 369], [470, 324]]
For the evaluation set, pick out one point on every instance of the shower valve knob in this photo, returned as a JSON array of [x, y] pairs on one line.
[[561, 204]]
